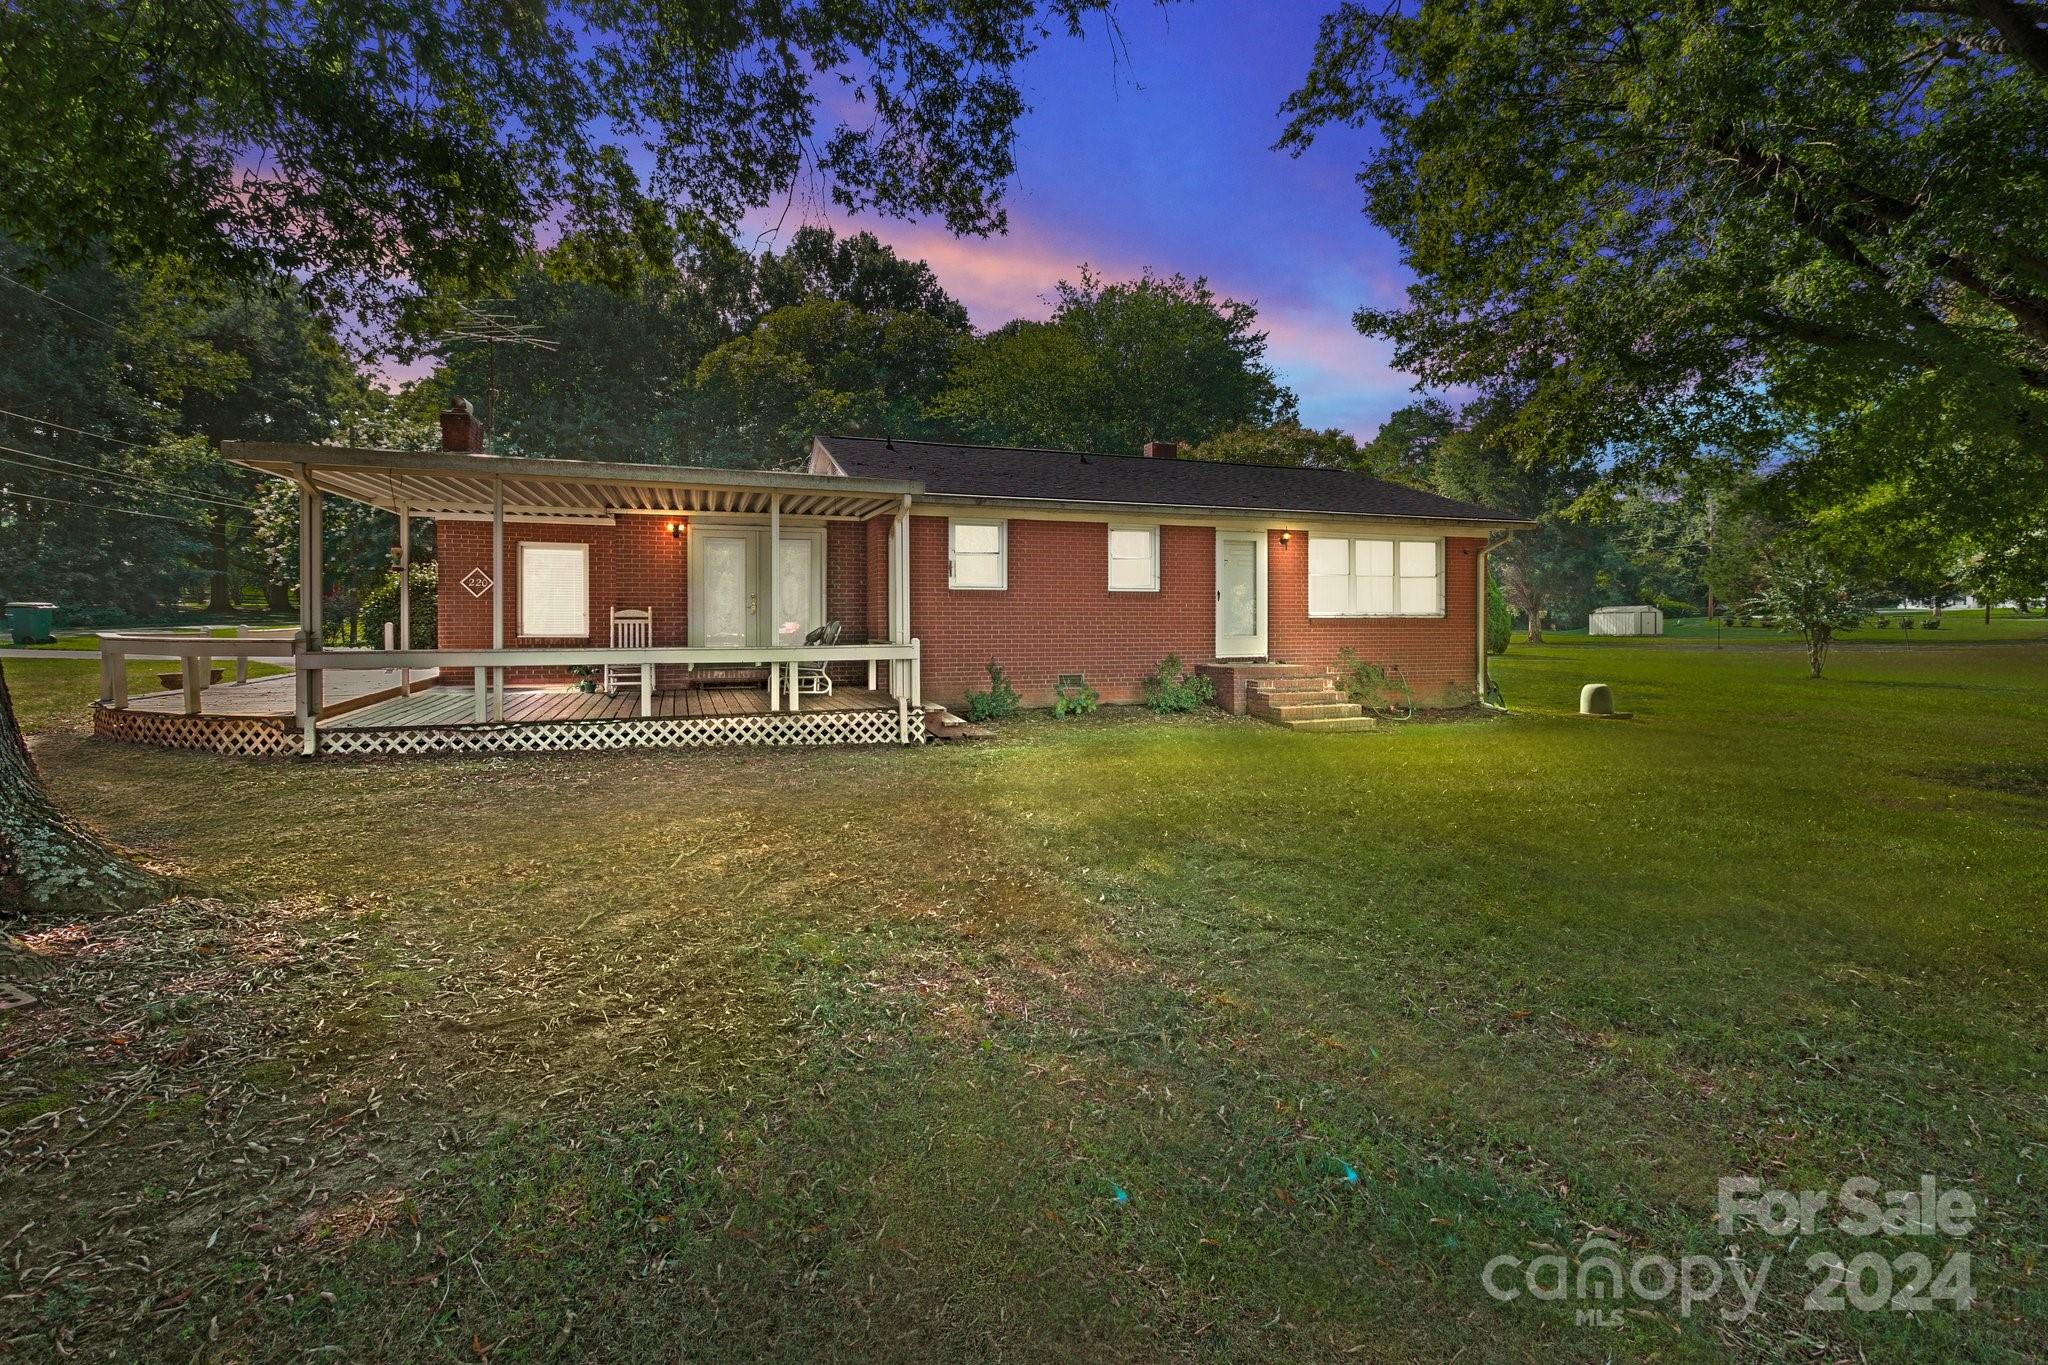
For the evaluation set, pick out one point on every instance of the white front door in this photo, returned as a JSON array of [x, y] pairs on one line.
[[1240, 595], [726, 600], [729, 597]]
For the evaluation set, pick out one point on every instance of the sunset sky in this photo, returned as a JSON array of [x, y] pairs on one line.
[[1162, 155]]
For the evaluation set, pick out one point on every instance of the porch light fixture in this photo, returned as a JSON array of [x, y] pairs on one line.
[[1287, 537], [675, 530]]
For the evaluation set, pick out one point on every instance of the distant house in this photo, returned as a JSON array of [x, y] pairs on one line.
[[931, 560]]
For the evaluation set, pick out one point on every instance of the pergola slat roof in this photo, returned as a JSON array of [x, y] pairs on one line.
[[455, 485]]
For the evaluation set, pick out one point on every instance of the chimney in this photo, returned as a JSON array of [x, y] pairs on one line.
[[1162, 450], [460, 430]]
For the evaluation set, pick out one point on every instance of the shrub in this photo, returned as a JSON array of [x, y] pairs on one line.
[[1000, 702], [380, 604], [1172, 689], [1500, 620], [1075, 698], [1673, 608], [1804, 592], [1372, 686]]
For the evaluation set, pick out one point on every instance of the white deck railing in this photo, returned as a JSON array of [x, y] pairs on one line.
[[903, 661], [195, 655]]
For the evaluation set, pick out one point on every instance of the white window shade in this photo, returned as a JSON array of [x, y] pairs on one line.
[[977, 555], [1329, 577], [554, 591], [1375, 577], [1419, 579], [1364, 577], [1133, 558]]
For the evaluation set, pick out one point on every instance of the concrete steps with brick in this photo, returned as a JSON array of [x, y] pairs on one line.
[[1304, 699]]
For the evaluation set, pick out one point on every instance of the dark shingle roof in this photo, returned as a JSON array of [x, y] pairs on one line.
[[1068, 476]]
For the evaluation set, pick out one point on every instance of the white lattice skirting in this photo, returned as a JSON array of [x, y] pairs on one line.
[[247, 736], [259, 737], [655, 732]]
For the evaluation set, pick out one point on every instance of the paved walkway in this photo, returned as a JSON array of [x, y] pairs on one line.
[[9, 653]]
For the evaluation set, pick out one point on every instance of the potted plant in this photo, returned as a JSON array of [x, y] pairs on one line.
[[585, 676]]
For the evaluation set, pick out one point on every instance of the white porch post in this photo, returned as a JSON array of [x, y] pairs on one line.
[[899, 599], [775, 604], [311, 627], [404, 593], [497, 595]]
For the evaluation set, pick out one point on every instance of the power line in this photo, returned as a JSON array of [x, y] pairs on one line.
[[95, 478], [99, 507], [81, 431], [59, 303], [121, 476]]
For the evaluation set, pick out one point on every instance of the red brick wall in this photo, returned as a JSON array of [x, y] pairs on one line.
[[878, 577], [634, 563], [1058, 614], [1438, 657], [847, 593]]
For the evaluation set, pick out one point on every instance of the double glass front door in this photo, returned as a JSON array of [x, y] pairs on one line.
[[729, 596]]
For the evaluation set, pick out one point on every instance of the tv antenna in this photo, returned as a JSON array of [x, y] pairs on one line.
[[479, 326]]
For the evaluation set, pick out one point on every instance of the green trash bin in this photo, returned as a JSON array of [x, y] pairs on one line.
[[32, 622]]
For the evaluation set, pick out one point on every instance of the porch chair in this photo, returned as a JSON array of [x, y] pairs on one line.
[[632, 628], [817, 677]]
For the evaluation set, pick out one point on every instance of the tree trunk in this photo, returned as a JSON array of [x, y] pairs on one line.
[[48, 862], [278, 596], [1987, 611], [1816, 652], [1535, 610]]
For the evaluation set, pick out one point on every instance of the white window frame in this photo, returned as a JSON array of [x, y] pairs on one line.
[[1355, 581], [583, 552], [1109, 540], [1002, 530]]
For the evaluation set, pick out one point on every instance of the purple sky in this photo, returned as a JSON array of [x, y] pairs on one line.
[[1165, 160]]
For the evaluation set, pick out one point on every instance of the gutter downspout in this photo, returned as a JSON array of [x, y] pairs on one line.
[[1494, 541]]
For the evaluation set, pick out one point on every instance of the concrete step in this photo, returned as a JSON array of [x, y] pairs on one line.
[[1257, 672], [1334, 723], [1276, 687], [1322, 710]]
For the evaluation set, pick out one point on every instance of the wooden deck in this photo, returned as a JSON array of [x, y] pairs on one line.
[[275, 697], [368, 719], [439, 706]]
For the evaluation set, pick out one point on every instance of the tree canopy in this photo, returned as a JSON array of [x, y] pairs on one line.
[[1283, 443], [362, 147], [1119, 363], [1766, 232], [818, 366]]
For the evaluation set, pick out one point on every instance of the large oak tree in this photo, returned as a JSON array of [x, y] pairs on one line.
[[1764, 230], [364, 145]]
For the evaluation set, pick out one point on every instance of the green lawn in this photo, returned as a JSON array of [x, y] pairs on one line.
[[1061, 1045], [1958, 626]]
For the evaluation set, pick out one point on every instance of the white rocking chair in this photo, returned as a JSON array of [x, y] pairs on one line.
[[632, 628], [817, 677]]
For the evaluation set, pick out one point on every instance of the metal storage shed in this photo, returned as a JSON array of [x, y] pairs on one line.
[[1636, 620]]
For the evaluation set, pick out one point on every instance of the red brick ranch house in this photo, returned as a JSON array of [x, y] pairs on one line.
[[839, 603]]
